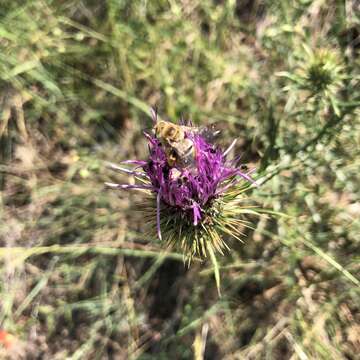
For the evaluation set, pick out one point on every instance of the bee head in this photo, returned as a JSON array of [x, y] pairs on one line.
[[159, 127], [172, 133], [168, 132]]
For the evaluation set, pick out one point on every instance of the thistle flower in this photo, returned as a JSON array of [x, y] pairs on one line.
[[320, 73], [192, 206]]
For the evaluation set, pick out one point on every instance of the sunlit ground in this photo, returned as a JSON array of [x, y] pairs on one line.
[[81, 277]]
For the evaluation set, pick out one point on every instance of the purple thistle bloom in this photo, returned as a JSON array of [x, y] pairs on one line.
[[198, 200], [191, 190]]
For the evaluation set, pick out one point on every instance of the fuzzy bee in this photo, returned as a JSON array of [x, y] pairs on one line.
[[178, 146], [179, 149]]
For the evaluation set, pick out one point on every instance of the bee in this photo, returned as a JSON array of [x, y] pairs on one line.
[[179, 149]]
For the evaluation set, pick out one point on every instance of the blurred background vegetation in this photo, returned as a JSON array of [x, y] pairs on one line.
[[80, 279]]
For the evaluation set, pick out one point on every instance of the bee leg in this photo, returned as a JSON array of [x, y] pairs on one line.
[[171, 157]]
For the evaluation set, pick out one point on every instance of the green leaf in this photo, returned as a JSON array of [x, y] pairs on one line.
[[332, 262]]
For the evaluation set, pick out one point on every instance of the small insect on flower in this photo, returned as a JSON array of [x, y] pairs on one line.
[[178, 145], [195, 194], [178, 148]]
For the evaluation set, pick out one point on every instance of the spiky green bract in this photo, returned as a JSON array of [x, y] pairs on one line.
[[322, 72], [224, 217], [319, 73]]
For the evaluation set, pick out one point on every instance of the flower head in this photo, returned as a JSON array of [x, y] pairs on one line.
[[196, 203], [319, 74]]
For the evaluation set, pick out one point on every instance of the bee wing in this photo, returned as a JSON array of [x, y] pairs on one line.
[[185, 152], [209, 133], [154, 114]]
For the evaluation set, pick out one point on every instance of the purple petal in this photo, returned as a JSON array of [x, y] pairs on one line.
[[135, 162], [230, 147], [196, 213], [247, 177], [158, 197]]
